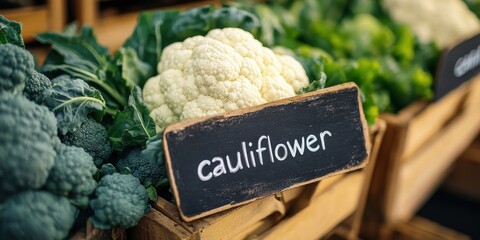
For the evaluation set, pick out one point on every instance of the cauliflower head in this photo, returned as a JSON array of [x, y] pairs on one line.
[[441, 21], [36, 215], [28, 143], [225, 70], [72, 175], [120, 201]]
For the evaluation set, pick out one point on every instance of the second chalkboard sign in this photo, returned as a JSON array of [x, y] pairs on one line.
[[223, 161]]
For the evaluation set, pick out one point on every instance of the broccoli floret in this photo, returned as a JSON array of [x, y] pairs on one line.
[[28, 143], [16, 66], [92, 137], [72, 175], [36, 215], [120, 201], [140, 167], [35, 85]]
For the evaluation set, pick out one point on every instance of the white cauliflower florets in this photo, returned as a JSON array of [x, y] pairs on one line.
[[441, 21], [226, 70]]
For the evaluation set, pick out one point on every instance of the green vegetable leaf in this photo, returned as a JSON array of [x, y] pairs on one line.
[[154, 153], [133, 126], [152, 193], [151, 35], [71, 100], [10, 32], [82, 57], [134, 72]]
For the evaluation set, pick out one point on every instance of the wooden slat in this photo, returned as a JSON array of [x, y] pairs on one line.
[[424, 172], [425, 124], [324, 212], [423, 229]]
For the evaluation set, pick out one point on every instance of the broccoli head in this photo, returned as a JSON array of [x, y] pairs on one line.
[[141, 167], [16, 66], [36, 215], [92, 137], [28, 143], [35, 85], [120, 201], [72, 175]]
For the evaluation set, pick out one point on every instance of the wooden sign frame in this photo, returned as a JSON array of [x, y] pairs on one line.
[[199, 192]]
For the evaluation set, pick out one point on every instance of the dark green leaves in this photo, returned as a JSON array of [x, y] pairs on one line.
[[133, 126], [71, 100], [151, 35], [10, 32]]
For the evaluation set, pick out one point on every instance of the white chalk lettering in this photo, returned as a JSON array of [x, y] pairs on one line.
[[296, 146], [284, 150], [220, 168], [279, 151], [311, 139], [239, 163], [200, 172]]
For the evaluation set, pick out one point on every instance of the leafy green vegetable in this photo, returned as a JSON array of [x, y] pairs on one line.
[[10, 32], [71, 100], [80, 56], [133, 126], [151, 35]]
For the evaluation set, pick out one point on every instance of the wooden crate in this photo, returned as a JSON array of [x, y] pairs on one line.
[[37, 19], [420, 145], [465, 174], [309, 211]]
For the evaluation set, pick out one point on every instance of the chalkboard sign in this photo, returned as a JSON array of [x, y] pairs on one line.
[[223, 161], [457, 65]]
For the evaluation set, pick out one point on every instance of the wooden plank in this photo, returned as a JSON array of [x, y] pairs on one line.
[[424, 172], [423, 229], [424, 126], [57, 15], [155, 225], [324, 212], [464, 177]]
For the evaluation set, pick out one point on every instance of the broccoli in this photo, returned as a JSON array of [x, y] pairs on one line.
[[35, 85], [141, 167], [16, 66], [72, 175], [36, 215], [120, 201], [92, 137], [28, 143]]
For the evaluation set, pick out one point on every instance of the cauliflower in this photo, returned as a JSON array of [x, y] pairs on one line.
[[35, 85], [28, 143], [36, 215], [72, 175], [226, 70], [120, 201], [16, 66], [92, 137], [441, 21]]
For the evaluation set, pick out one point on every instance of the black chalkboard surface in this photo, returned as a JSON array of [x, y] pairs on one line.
[[457, 65], [226, 160]]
